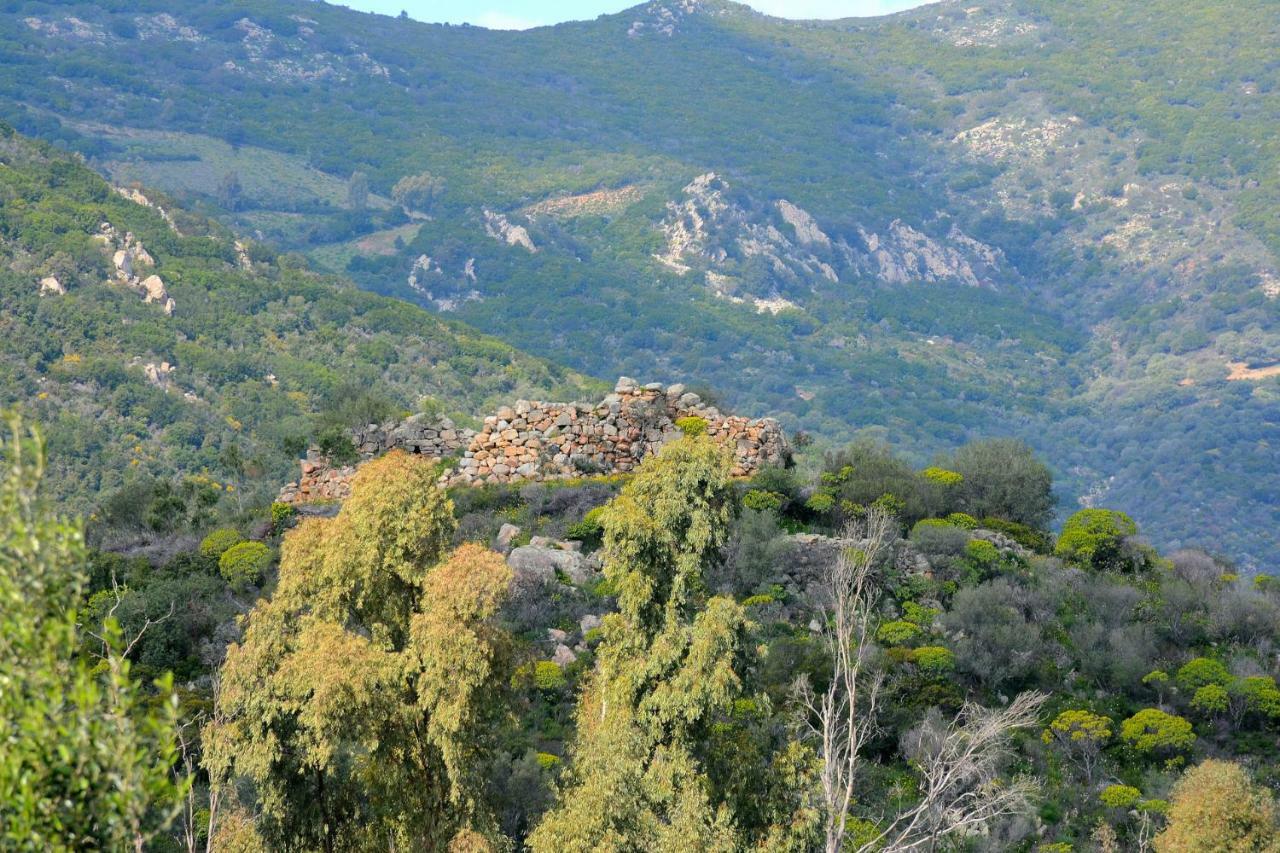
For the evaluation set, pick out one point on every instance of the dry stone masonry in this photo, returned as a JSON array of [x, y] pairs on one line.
[[433, 438], [547, 441], [534, 441]]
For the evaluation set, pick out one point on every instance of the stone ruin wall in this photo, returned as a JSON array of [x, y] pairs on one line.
[[535, 441], [321, 481]]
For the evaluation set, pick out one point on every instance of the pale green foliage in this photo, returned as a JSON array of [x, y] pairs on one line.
[[85, 754], [1079, 727], [1154, 731], [217, 542], [547, 675], [942, 476], [897, 633], [1259, 694], [355, 703], [692, 426], [1210, 699], [1097, 539], [418, 192], [1200, 672], [934, 660], [243, 564], [665, 669], [1120, 796], [1217, 809], [1080, 735]]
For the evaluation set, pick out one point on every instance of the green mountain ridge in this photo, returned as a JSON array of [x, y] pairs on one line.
[[256, 351], [1046, 222]]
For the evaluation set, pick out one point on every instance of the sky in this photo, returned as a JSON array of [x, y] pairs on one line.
[[522, 14]]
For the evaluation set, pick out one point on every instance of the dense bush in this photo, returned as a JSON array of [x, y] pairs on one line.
[[244, 565], [217, 542]]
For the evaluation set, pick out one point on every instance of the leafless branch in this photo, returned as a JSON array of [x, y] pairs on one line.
[[960, 787], [843, 718]]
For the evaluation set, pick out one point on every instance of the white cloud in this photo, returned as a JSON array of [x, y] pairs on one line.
[[503, 21]]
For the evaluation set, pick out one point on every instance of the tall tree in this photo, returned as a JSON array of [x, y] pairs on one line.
[[356, 703], [86, 756], [665, 669], [358, 191], [1003, 478]]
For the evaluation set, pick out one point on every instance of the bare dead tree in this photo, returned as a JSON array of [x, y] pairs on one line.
[[843, 718], [960, 787], [186, 752]]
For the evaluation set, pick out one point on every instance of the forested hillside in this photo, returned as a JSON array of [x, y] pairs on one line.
[[215, 382], [1007, 217]]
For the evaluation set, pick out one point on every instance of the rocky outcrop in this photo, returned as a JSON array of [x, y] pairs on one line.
[[544, 441], [534, 441], [664, 17], [136, 196], [129, 259], [544, 561], [428, 280], [51, 286], [709, 229], [807, 230], [500, 228], [160, 375], [904, 254]]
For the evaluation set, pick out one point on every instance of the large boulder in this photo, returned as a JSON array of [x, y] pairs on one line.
[[542, 563]]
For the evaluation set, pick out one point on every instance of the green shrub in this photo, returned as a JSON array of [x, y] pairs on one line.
[[942, 476], [931, 524], [335, 444], [1211, 699], [1096, 538], [982, 552], [757, 600], [282, 515], [216, 543], [1200, 672], [1154, 731], [1120, 796], [692, 425], [760, 500], [919, 614], [897, 633], [244, 564], [547, 761], [589, 530], [934, 660], [963, 520], [548, 676], [821, 502], [1025, 535]]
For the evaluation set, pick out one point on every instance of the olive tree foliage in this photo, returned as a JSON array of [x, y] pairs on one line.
[[666, 670], [1003, 478], [999, 623], [960, 788], [356, 708], [87, 755], [418, 192]]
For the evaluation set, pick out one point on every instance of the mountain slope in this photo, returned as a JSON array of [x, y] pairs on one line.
[[226, 371], [969, 218]]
